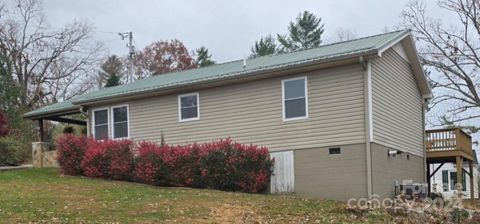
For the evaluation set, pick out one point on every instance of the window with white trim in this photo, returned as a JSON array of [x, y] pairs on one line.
[[120, 122], [453, 181], [188, 107], [295, 98], [100, 124]]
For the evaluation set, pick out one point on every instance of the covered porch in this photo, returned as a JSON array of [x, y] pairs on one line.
[[450, 145], [42, 152]]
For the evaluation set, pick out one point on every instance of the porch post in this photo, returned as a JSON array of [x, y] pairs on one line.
[[41, 132], [472, 189], [459, 173]]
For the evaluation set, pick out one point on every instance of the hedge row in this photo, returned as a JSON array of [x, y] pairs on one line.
[[223, 164]]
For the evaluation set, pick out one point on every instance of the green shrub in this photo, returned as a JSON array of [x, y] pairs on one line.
[[68, 130], [12, 151]]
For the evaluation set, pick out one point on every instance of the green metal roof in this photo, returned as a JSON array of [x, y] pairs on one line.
[[57, 107], [230, 70]]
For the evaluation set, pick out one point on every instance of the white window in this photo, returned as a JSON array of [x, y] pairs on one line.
[[120, 127], [295, 98], [100, 124], [188, 107]]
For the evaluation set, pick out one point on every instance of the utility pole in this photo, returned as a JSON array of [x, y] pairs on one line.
[[131, 52]]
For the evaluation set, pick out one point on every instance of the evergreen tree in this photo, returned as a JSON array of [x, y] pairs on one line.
[[9, 92], [113, 80], [203, 58], [111, 72], [11, 107], [265, 46], [304, 33]]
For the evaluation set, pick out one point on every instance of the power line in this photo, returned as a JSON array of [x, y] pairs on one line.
[[103, 31]]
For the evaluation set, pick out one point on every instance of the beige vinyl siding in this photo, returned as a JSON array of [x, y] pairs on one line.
[[396, 104], [252, 113], [338, 176], [388, 169]]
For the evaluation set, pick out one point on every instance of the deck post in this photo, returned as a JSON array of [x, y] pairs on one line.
[[472, 189], [459, 173]]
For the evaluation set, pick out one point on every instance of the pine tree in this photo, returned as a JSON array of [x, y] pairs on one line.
[[265, 46], [111, 72], [203, 58], [304, 33], [113, 80]]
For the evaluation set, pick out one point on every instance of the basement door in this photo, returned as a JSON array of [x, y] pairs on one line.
[[283, 177]]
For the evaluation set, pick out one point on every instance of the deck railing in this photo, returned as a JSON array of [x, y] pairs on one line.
[[448, 139]]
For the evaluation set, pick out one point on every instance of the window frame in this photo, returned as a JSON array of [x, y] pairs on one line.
[[112, 121], [452, 181], [180, 107], [306, 98], [108, 121], [445, 180]]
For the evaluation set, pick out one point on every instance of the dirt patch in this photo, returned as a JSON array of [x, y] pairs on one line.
[[232, 213]]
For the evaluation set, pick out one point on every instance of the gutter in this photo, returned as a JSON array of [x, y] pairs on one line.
[[57, 112], [426, 101]]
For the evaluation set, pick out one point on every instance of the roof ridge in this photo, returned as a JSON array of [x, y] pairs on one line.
[[334, 43], [361, 38], [214, 65], [400, 33], [282, 53]]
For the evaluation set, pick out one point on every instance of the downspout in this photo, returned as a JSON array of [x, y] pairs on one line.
[[426, 101], [368, 121]]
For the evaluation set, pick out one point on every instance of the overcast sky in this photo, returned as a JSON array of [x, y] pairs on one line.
[[227, 28]]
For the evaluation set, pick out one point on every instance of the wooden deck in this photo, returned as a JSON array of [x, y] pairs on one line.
[[443, 145], [450, 145]]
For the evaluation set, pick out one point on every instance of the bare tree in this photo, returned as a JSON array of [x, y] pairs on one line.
[[342, 34], [49, 65], [450, 53]]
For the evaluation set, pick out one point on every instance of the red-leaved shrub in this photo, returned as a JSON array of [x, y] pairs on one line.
[[231, 166], [108, 159], [150, 167], [70, 152], [223, 165], [168, 165]]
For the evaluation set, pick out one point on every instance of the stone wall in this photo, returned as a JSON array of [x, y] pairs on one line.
[[44, 155]]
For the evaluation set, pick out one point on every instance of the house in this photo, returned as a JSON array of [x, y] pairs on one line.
[[445, 179], [342, 120]]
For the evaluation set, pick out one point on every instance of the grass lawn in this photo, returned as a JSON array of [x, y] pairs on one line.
[[45, 196]]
